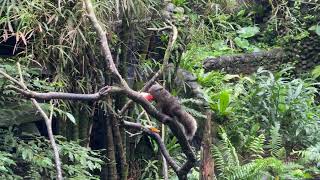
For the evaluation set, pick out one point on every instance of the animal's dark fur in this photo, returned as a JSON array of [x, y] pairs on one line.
[[170, 106]]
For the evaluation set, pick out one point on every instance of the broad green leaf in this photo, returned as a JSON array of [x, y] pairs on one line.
[[220, 45], [242, 43], [71, 118], [247, 32], [316, 72], [224, 101], [315, 28]]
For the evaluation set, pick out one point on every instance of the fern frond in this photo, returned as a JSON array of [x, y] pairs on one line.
[[255, 169], [228, 149], [256, 146], [311, 154], [218, 159], [275, 144]]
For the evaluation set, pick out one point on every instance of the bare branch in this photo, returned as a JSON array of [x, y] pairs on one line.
[[68, 96], [7, 76], [51, 138], [160, 29]]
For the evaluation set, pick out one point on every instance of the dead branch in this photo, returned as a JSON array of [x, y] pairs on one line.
[[103, 42]]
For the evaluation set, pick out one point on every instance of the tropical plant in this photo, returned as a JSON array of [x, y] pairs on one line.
[[229, 166], [273, 99], [32, 157]]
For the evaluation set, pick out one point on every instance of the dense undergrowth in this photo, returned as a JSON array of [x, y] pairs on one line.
[[269, 126], [268, 123]]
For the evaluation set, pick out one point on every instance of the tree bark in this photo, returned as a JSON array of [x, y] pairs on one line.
[[207, 164], [124, 35], [111, 159]]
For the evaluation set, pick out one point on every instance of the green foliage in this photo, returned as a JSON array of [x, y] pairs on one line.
[[247, 32], [316, 72], [150, 171], [6, 162], [179, 2], [269, 116], [258, 167], [291, 20], [223, 102], [256, 146], [316, 29], [278, 99], [33, 158], [311, 154], [216, 34], [229, 167], [275, 144]]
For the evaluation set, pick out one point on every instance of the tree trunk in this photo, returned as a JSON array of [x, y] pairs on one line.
[[111, 159], [207, 164]]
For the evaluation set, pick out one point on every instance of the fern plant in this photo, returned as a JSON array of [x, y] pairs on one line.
[[311, 154], [275, 144], [228, 164]]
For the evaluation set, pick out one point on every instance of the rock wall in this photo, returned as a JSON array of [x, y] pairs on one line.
[[304, 55]]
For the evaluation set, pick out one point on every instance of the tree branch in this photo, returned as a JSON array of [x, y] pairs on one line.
[[159, 141], [47, 121], [68, 96], [135, 96], [103, 42]]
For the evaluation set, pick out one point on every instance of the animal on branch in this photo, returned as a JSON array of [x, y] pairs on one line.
[[170, 106]]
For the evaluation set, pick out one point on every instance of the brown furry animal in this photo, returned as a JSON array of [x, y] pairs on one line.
[[170, 106]]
